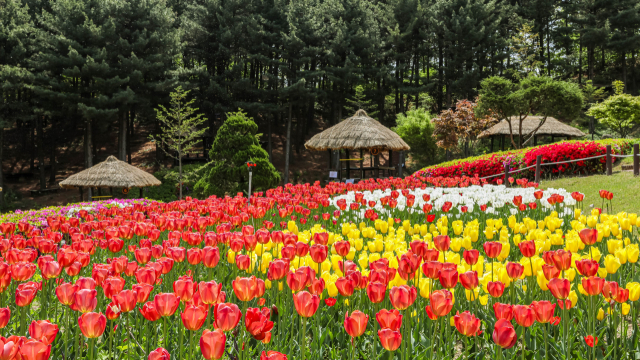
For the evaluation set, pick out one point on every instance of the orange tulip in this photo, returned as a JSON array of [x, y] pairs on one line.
[[126, 299], [209, 292], [527, 248], [390, 339], [469, 280], [306, 304], [184, 288], [273, 355], [212, 344], [66, 293], [92, 324], [448, 278], [25, 295], [278, 269], [227, 316], [492, 249], [142, 292], [113, 311], [441, 302], [246, 289], [589, 236], [44, 331], [514, 270], [467, 324], [389, 319], [525, 316], [593, 285], [166, 304], [402, 296], [376, 292], [356, 324], [346, 286], [35, 350], [51, 270], [496, 288], [442, 242], [342, 248], [503, 311], [193, 317], [257, 323], [22, 271], [544, 310], [561, 259], [112, 285]]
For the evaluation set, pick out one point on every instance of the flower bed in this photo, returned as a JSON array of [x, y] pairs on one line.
[[416, 272], [492, 164]]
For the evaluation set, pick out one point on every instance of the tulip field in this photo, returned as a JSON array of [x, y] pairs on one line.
[[414, 268]]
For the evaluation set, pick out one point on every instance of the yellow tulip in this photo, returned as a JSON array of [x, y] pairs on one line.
[[600, 315], [542, 281], [613, 245], [634, 291], [267, 284], [612, 264], [621, 254]]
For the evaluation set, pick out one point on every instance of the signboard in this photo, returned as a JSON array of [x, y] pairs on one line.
[[349, 181], [333, 174]]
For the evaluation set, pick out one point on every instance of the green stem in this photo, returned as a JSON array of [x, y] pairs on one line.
[[164, 333], [546, 344], [304, 342]]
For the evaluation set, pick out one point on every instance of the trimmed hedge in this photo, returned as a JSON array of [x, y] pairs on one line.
[[491, 164]]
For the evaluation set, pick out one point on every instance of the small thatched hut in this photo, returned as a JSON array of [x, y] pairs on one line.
[[109, 174], [358, 133], [551, 127]]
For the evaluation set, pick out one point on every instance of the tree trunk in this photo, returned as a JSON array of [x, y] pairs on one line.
[[88, 155], [52, 155], [580, 61], [287, 148], [269, 141], [32, 152], [624, 71], [132, 116], [180, 170], [440, 77], [122, 136], [40, 146], [159, 152]]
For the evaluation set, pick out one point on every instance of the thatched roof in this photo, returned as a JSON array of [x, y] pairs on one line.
[[357, 132], [111, 173], [550, 127]]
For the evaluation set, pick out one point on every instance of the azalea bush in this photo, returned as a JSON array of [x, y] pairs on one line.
[[414, 268], [492, 164]]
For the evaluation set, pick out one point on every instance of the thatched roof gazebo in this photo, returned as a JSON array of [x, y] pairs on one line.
[[551, 127], [358, 133], [109, 174]]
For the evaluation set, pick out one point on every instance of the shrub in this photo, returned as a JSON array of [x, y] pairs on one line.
[[416, 130], [491, 164]]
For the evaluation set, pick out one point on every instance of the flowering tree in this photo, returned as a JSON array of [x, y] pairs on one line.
[[459, 128], [620, 112]]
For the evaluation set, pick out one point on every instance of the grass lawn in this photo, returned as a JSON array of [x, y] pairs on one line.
[[624, 186]]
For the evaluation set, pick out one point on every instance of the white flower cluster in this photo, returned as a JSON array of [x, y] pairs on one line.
[[494, 196]]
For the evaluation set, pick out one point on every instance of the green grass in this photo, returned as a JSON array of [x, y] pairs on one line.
[[624, 186]]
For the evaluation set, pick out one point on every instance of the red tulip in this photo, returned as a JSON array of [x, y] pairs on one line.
[[441, 242], [5, 316], [50, 270], [212, 344], [346, 286], [9, 347], [390, 339], [66, 293], [622, 296], [492, 249], [25, 295], [441, 303], [44, 331], [524, 315], [209, 292], [22, 271], [561, 259], [593, 285], [448, 278], [514, 270], [92, 324], [431, 269], [550, 271], [210, 256], [560, 288], [589, 236], [587, 267], [193, 317], [148, 310], [544, 310], [330, 301], [610, 289], [527, 248], [159, 354], [166, 304], [112, 285], [85, 300], [467, 324], [35, 350], [504, 335], [469, 280], [496, 288], [278, 269], [591, 341], [503, 311], [305, 303], [113, 311], [272, 355], [402, 296], [471, 256], [342, 248], [126, 299], [356, 324], [226, 316], [376, 291], [142, 292], [184, 288]]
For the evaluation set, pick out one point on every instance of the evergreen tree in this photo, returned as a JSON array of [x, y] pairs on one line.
[[236, 144]]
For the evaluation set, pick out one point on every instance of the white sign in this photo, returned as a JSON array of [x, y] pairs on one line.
[[349, 181], [333, 174]]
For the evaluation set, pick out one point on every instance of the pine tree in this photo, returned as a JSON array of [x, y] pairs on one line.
[[236, 144]]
